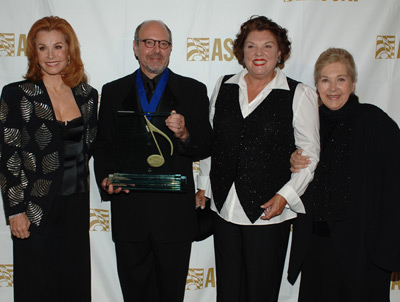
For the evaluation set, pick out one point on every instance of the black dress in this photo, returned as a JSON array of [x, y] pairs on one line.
[[54, 265]]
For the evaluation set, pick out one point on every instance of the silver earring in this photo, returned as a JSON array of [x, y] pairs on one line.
[[69, 59]]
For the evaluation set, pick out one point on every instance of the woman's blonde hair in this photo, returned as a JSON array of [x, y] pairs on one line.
[[334, 55]]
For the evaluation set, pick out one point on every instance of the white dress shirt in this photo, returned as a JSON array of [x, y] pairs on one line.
[[306, 134]]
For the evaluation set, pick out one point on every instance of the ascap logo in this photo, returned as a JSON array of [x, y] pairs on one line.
[[198, 49], [385, 47], [396, 280], [196, 167], [6, 275], [195, 279], [7, 45], [99, 220]]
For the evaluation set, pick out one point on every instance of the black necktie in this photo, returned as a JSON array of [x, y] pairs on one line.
[[150, 87]]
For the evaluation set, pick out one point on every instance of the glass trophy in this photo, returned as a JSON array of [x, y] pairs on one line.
[[148, 182], [144, 154]]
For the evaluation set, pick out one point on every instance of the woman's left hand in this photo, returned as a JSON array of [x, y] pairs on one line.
[[273, 207], [298, 161], [20, 226]]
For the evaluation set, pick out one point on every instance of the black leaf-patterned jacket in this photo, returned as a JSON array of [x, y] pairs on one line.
[[31, 150]]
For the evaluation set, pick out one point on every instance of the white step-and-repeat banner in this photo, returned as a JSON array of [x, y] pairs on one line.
[[203, 32]]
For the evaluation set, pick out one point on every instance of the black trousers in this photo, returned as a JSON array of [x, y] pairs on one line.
[[151, 271], [323, 278], [249, 260], [54, 265]]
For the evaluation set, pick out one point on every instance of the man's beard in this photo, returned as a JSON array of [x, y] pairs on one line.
[[155, 70]]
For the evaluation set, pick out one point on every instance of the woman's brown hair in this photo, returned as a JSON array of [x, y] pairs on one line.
[[260, 23]]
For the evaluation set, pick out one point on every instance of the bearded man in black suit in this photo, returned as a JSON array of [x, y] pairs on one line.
[[152, 231]]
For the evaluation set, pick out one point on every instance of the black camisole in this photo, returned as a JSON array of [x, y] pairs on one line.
[[75, 175]]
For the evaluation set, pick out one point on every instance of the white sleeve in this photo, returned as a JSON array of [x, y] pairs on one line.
[[306, 134], [203, 179]]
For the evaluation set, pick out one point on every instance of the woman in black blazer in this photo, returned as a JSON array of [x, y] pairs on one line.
[[48, 125], [346, 245]]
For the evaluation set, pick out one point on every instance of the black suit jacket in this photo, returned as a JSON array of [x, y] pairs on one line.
[[168, 217]]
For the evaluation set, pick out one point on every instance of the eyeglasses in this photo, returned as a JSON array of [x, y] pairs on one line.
[[150, 43]]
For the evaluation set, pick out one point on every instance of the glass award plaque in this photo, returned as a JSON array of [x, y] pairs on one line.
[[144, 154], [148, 182]]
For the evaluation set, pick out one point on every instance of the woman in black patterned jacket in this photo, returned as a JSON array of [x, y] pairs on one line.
[[48, 125]]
